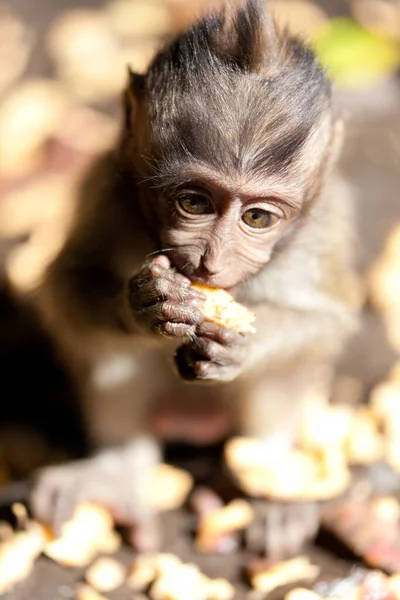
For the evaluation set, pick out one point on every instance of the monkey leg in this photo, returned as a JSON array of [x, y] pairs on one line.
[[116, 400], [117, 479], [270, 408]]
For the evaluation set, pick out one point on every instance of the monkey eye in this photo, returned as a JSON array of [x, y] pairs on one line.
[[194, 203], [257, 218]]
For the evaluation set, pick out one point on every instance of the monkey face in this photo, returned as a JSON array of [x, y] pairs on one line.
[[222, 233], [233, 123]]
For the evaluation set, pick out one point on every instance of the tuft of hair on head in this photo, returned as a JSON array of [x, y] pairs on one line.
[[235, 87]]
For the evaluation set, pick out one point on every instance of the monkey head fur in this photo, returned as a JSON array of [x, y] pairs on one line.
[[232, 128]]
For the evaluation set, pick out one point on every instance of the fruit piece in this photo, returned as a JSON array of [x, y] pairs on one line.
[[105, 574], [221, 308]]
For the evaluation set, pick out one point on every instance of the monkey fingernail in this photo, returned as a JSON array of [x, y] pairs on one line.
[[162, 260], [193, 300]]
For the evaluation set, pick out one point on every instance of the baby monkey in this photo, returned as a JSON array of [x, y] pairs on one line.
[[220, 176]]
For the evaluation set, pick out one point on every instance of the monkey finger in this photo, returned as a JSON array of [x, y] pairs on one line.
[[211, 371], [156, 270], [221, 335], [163, 312], [191, 367], [176, 330], [185, 360], [211, 350], [161, 260], [151, 272], [162, 289], [218, 353]]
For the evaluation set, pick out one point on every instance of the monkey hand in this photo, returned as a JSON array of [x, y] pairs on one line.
[[118, 479], [214, 354], [163, 302]]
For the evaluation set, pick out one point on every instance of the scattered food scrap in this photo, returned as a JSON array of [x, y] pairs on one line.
[[301, 475], [169, 579], [235, 516], [19, 549], [85, 592], [170, 487], [105, 574], [266, 577], [90, 532]]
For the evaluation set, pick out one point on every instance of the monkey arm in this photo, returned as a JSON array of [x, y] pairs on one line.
[[287, 334], [105, 286], [82, 298]]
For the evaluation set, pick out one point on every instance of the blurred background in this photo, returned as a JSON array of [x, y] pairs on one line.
[[62, 68]]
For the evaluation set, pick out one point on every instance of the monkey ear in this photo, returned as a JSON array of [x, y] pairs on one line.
[[134, 92], [136, 83]]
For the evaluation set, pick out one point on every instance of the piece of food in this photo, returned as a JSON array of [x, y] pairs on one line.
[[301, 475], [180, 584], [85, 592], [369, 528], [283, 573], [235, 516], [105, 574], [364, 444], [220, 589], [302, 594], [386, 509], [170, 579], [28, 116], [147, 567], [221, 308], [19, 550], [385, 405], [89, 533], [170, 487]]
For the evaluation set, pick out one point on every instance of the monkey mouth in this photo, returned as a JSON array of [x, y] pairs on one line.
[[216, 282]]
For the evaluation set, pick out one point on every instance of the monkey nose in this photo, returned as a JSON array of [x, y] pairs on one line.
[[211, 268]]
